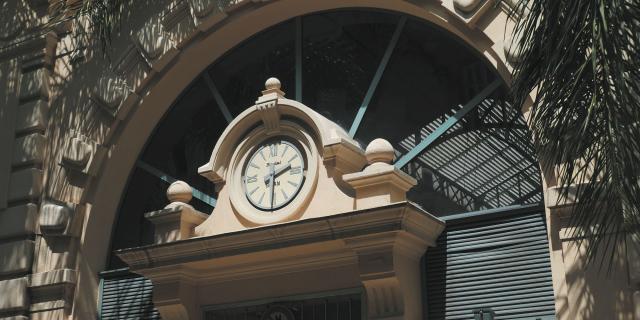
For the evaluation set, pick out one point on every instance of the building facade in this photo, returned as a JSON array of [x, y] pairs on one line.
[[95, 146]]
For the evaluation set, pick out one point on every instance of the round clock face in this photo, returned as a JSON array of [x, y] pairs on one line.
[[274, 174]]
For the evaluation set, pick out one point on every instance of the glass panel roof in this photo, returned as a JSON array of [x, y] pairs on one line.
[[483, 160]]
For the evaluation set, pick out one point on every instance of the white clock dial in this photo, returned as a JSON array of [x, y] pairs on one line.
[[273, 175]]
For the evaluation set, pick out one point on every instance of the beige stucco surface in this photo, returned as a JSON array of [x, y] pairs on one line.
[[96, 115]]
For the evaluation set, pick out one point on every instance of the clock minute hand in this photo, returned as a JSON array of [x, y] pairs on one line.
[[271, 183]]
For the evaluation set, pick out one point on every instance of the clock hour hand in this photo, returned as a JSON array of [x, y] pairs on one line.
[[277, 172], [282, 169]]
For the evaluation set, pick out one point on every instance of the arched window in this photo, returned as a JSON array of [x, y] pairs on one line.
[[377, 74]]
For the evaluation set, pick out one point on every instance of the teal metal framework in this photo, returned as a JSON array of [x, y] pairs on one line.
[[378, 75], [448, 123], [169, 179], [218, 97]]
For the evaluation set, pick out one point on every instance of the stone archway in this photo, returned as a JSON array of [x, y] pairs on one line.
[[171, 68]]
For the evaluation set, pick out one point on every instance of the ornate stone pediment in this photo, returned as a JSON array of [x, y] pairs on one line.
[[336, 218]]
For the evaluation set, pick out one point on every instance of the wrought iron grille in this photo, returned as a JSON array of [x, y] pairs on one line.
[[344, 307]]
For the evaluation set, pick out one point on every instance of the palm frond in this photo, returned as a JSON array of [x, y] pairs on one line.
[[104, 18], [581, 61]]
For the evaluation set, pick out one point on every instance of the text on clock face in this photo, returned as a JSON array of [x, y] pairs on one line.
[[273, 175]]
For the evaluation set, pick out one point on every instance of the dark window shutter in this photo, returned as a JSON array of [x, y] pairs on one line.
[[497, 263], [126, 296]]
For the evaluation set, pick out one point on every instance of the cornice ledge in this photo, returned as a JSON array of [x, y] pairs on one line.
[[554, 198], [398, 217]]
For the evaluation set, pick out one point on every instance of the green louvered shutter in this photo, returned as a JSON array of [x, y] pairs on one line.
[[126, 296], [496, 261]]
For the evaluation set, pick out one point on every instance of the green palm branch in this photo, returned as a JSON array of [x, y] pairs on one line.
[[580, 59]]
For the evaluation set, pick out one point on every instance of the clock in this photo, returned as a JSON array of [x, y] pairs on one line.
[[274, 174]]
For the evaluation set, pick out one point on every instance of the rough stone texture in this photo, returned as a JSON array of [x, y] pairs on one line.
[[29, 149], [14, 295], [34, 84], [8, 104], [18, 221], [53, 277], [32, 116], [25, 184], [16, 257]]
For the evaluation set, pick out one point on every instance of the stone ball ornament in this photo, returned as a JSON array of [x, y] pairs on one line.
[[180, 191], [272, 83], [379, 150]]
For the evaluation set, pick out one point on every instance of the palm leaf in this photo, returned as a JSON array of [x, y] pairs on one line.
[[581, 61], [104, 18]]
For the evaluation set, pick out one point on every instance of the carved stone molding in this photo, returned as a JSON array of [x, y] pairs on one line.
[[267, 105], [380, 248], [389, 269], [152, 40], [175, 299], [202, 8], [178, 21]]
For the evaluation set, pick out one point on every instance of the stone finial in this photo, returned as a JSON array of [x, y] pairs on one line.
[[380, 183], [179, 191], [271, 90], [466, 6], [379, 150], [272, 83]]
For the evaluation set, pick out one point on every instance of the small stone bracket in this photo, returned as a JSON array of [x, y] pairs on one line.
[[267, 105], [80, 154], [471, 11], [109, 93], [151, 40], [202, 8], [58, 220]]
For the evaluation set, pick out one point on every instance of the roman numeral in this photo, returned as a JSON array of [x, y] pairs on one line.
[[251, 179], [296, 170], [292, 158], [286, 147], [273, 150], [253, 191]]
